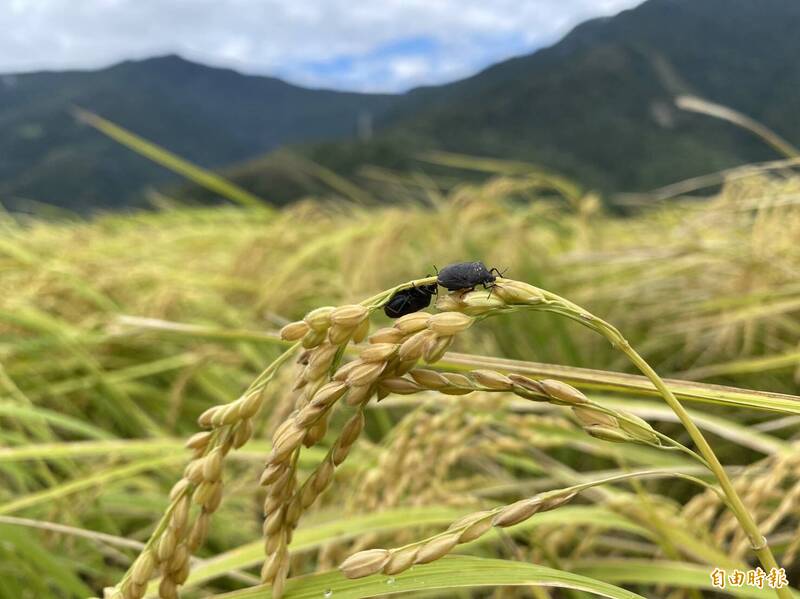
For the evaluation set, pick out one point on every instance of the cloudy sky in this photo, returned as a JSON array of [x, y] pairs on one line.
[[388, 45]]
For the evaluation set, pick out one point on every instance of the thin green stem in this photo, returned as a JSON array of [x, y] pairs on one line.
[[672, 443], [750, 527], [582, 487], [377, 300]]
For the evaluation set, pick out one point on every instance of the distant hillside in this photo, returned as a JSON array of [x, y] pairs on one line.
[[211, 116], [598, 105]]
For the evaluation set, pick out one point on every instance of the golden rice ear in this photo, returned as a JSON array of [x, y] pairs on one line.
[[339, 334], [437, 548], [319, 319], [167, 588], [591, 417], [607, 433], [458, 380], [320, 362], [387, 335], [379, 371], [476, 303], [400, 386], [283, 446], [402, 367], [563, 393], [450, 323], [329, 394], [344, 371], [364, 563], [115, 593], [294, 330], [365, 373], [476, 529], [638, 428], [401, 560], [463, 530], [523, 383], [243, 432], [352, 429], [199, 440], [516, 512], [435, 348], [349, 316], [358, 395], [316, 431], [313, 338], [429, 379], [412, 348], [492, 380], [517, 292], [376, 352], [212, 465], [143, 568], [411, 323], [449, 302], [361, 331]]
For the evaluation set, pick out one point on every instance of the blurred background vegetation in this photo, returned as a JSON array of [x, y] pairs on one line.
[[117, 333], [118, 330]]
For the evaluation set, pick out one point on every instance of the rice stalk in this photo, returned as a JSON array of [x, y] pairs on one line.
[[175, 538], [391, 351], [471, 527], [513, 295], [727, 266], [380, 368]]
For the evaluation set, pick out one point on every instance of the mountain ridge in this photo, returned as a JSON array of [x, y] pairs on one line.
[[597, 106], [211, 116]]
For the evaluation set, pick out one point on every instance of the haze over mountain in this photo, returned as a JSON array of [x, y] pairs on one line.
[[597, 106]]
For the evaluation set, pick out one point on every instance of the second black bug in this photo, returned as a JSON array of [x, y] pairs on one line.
[[466, 275], [409, 300]]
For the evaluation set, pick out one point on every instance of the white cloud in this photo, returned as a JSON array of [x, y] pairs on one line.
[[409, 68], [299, 40]]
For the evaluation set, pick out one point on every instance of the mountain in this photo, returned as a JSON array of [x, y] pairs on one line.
[[598, 106], [210, 116]]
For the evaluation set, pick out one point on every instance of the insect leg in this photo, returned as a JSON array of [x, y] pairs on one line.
[[406, 301]]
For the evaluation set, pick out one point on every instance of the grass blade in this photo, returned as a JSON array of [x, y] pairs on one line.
[[448, 573], [171, 161], [674, 574]]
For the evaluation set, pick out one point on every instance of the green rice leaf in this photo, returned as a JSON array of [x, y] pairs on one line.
[[451, 572]]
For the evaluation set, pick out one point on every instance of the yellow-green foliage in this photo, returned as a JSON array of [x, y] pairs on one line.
[[101, 377]]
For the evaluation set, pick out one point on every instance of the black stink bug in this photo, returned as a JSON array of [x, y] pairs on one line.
[[466, 275], [409, 300]]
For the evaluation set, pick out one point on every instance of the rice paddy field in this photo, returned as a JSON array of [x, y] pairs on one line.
[[118, 333]]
